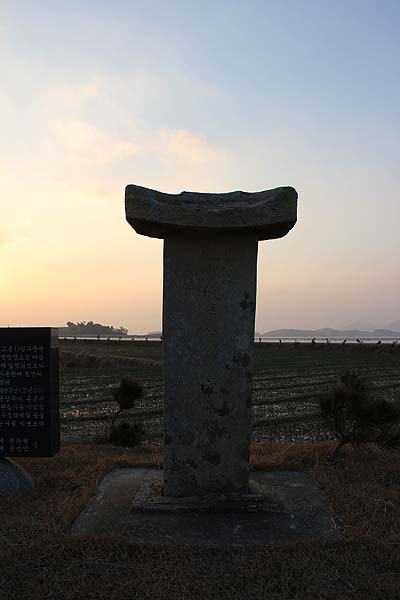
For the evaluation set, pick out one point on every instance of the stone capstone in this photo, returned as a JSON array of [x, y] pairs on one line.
[[267, 215]]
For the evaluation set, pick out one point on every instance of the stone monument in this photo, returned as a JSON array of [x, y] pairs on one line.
[[29, 401], [209, 300]]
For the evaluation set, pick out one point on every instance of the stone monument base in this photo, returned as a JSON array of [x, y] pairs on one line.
[[149, 499], [282, 507]]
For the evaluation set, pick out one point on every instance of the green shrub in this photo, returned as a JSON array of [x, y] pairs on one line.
[[126, 434], [355, 417]]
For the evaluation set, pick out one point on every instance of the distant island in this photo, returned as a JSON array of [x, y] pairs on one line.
[[328, 332], [92, 329]]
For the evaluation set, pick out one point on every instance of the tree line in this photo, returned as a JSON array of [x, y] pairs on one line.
[[91, 328]]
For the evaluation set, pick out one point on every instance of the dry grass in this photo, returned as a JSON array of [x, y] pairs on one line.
[[38, 559], [86, 359]]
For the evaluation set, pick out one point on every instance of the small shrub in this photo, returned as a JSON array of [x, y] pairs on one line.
[[357, 418], [126, 434], [126, 394]]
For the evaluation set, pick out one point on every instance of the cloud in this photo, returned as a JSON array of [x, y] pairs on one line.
[[100, 191], [92, 145], [183, 145], [73, 96], [5, 237]]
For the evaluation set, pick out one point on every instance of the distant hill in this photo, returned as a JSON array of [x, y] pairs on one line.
[[364, 325], [328, 332], [151, 334]]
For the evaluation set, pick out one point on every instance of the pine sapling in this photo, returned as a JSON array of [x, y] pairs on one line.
[[355, 417]]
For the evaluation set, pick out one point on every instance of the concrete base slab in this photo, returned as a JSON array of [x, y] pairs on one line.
[[297, 512]]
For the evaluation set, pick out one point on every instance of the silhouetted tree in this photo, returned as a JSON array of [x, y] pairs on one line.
[[91, 328], [127, 434]]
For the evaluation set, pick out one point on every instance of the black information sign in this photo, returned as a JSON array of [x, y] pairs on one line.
[[29, 393]]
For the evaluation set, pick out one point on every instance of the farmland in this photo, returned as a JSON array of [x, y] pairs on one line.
[[288, 382]]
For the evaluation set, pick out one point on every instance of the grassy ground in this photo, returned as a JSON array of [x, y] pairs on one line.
[[38, 560]]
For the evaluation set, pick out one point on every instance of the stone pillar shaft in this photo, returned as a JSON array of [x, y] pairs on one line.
[[209, 303]]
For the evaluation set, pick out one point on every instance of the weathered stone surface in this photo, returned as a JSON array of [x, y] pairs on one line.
[[268, 214], [301, 514], [208, 330], [14, 480], [210, 268], [150, 499]]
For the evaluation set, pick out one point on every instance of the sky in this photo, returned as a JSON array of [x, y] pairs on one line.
[[209, 96]]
